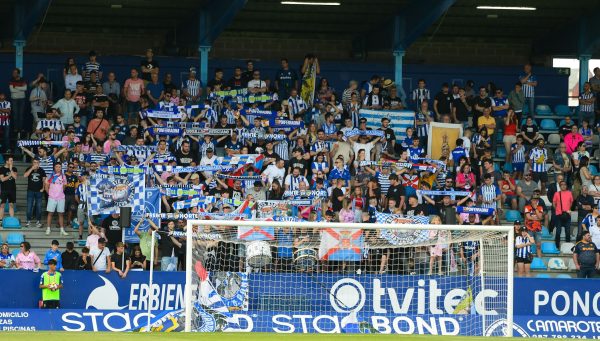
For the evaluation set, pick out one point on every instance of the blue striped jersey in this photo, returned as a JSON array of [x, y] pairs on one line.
[[294, 181], [82, 193], [240, 132], [421, 116], [230, 116], [258, 131], [418, 95], [519, 153], [319, 146], [498, 102], [528, 90], [89, 67], [524, 251], [282, 148], [538, 156], [192, 86], [211, 116], [318, 166], [589, 221], [329, 129], [384, 182], [489, 193], [139, 153], [354, 113], [97, 158], [204, 146], [47, 164], [586, 132], [296, 104], [52, 124], [586, 107]]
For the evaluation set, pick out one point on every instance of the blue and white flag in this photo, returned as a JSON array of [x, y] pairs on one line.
[[151, 206], [109, 192], [165, 115], [194, 202], [354, 132], [399, 120], [443, 193], [157, 130]]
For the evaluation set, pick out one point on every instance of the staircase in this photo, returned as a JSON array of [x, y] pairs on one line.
[[37, 237]]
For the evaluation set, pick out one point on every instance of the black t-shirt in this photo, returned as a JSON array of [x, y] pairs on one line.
[[118, 260], [148, 65], [335, 203], [72, 183], [35, 180], [586, 253], [529, 131], [100, 98], [112, 229], [87, 265], [417, 210], [565, 129], [395, 192], [389, 134], [483, 102], [237, 83], [9, 185], [186, 159], [444, 102], [169, 87], [301, 163], [461, 110], [211, 83], [69, 260]]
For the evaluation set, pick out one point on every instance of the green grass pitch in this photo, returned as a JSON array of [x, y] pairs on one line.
[[108, 336]]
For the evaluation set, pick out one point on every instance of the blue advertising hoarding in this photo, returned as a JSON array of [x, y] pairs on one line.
[[323, 303]]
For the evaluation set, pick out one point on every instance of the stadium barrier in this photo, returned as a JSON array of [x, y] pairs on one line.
[[105, 302]]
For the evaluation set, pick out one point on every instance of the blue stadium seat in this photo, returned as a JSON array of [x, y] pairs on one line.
[[501, 152], [543, 109], [542, 276], [508, 167], [546, 233], [496, 167], [513, 215], [11, 223], [563, 276], [593, 169], [6, 210], [562, 110], [15, 252], [548, 124], [549, 248], [15, 238], [538, 264], [533, 249], [0, 239], [523, 121]]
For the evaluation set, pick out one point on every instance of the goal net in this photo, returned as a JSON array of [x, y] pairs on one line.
[[307, 277]]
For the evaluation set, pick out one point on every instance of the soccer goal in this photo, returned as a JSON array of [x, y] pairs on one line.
[[309, 277]]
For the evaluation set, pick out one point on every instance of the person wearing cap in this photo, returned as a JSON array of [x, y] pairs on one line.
[[101, 257], [54, 254], [51, 283], [534, 215], [523, 242]]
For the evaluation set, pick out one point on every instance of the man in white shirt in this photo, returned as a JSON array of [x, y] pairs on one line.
[[101, 257], [276, 171], [256, 85], [208, 160], [363, 144], [72, 78]]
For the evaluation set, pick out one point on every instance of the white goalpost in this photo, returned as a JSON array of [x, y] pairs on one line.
[[290, 276]]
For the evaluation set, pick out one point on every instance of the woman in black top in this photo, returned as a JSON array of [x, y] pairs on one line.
[[138, 260]]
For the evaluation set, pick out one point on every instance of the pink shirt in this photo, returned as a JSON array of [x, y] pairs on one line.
[[136, 88], [571, 141], [56, 189], [346, 216], [107, 145], [28, 262], [91, 241], [562, 199]]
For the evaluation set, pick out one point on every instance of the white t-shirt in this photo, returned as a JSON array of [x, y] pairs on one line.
[[272, 173], [101, 263], [595, 233], [256, 84], [366, 146]]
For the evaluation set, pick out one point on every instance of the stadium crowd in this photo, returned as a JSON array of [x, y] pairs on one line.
[[304, 145]]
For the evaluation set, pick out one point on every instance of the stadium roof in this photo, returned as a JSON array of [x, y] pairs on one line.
[[369, 21]]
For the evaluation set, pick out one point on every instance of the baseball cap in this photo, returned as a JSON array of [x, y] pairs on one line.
[[517, 222]]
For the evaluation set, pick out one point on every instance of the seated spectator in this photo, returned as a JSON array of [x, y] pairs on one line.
[[137, 259], [27, 259], [7, 260]]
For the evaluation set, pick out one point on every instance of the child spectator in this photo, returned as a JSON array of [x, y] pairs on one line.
[[55, 254]]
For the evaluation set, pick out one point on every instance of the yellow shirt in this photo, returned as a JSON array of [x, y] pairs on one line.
[[488, 121]]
